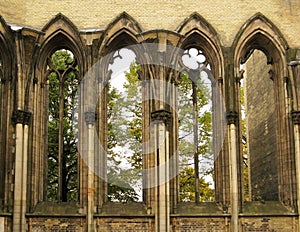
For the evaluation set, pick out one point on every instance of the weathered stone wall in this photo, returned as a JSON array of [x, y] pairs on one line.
[[261, 125], [227, 17], [203, 224], [47, 224], [186, 224], [122, 224], [268, 224]]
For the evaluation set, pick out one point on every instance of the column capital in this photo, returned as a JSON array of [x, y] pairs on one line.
[[294, 63], [161, 115], [296, 117], [90, 117], [21, 117], [232, 117]]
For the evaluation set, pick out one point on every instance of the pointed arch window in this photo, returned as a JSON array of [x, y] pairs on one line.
[[124, 123], [62, 83], [259, 130], [196, 157]]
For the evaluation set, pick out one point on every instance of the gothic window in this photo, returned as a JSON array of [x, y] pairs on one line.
[[62, 85], [196, 157], [259, 130], [124, 105]]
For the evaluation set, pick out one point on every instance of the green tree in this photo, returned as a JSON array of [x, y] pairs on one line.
[[124, 139], [63, 75], [125, 131], [187, 186], [186, 143]]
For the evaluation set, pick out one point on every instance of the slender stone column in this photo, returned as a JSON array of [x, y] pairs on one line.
[[90, 118], [161, 120], [21, 119], [296, 120], [294, 67], [232, 118]]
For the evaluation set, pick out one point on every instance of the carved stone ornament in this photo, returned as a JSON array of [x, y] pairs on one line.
[[232, 117], [296, 117], [161, 116], [22, 117], [90, 117]]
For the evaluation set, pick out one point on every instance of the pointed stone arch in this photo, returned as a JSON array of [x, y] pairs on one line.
[[259, 33], [198, 32], [123, 28], [122, 32], [59, 33]]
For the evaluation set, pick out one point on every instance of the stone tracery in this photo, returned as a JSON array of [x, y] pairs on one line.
[[124, 31]]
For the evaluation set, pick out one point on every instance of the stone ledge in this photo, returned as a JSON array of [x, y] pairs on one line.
[[266, 208], [123, 209], [54, 209], [201, 209]]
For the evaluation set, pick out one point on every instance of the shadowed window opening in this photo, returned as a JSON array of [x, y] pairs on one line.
[[259, 130]]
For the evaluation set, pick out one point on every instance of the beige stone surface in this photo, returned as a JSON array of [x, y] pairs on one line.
[[227, 17]]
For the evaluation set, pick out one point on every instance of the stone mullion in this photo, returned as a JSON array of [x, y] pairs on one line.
[[43, 134], [34, 179], [104, 136], [146, 142], [282, 152], [60, 139], [81, 163], [193, 76], [174, 191], [97, 165]]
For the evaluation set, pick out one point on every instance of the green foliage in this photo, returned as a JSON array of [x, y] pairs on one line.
[[187, 186], [186, 137], [63, 75], [124, 138]]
